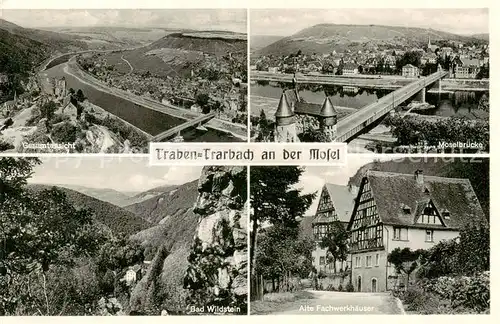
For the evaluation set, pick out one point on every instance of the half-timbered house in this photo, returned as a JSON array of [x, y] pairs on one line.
[[335, 204], [395, 210]]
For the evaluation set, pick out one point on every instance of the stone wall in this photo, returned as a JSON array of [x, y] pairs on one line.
[[217, 272]]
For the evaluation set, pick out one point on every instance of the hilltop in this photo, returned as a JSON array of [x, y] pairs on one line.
[[23, 49], [212, 43], [55, 41], [105, 194], [324, 38], [148, 194], [174, 201], [180, 52], [117, 219]]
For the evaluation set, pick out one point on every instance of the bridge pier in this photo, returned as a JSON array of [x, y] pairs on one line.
[[421, 95]]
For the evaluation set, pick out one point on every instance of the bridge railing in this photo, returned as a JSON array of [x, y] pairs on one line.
[[398, 96]]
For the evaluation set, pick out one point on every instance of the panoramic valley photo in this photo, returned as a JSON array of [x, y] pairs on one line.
[[381, 80], [378, 236], [114, 236], [111, 81]]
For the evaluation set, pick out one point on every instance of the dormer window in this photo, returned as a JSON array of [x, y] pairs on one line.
[[426, 191], [429, 215], [446, 214], [405, 208]]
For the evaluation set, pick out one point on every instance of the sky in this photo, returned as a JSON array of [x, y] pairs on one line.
[[207, 19], [125, 174], [285, 22], [313, 178]]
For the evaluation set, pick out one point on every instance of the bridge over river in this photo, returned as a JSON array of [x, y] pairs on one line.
[[179, 119], [388, 82], [348, 127], [176, 131]]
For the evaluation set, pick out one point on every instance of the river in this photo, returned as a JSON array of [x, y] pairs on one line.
[[151, 121], [459, 103]]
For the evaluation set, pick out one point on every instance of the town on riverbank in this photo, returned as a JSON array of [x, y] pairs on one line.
[[100, 90], [392, 89]]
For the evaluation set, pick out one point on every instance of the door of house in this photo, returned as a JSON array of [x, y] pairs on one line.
[[359, 283], [374, 285]]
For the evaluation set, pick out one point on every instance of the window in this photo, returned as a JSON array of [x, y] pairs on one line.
[[321, 260], [368, 261], [400, 234], [377, 259], [429, 236], [357, 262], [429, 215]]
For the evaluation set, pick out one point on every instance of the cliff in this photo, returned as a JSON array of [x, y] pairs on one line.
[[201, 260], [217, 272]]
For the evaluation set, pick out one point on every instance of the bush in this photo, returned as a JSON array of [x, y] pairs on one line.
[[464, 292], [418, 300], [48, 109], [412, 130], [331, 288], [340, 288], [60, 118], [64, 133], [349, 287], [5, 146], [321, 274]]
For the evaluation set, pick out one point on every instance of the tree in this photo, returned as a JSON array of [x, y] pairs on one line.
[[474, 249], [64, 133], [80, 97], [202, 99], [314, 136], [404, 261], [335, 242], [412, 58], [281, 251], [275, 200], [484, 72], [48, 109], [39, 230], [440, 260]]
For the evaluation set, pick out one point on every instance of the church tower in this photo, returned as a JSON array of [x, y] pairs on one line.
[[328, 119], [285, 130]]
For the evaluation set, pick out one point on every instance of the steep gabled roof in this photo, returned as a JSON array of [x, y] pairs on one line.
[[307, 108], [392, 190], [292, 97], [343, 201]]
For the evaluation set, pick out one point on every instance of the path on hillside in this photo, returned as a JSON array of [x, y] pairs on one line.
[[130, 65], [334, 302]]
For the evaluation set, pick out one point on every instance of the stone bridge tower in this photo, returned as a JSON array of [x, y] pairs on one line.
[[285, 130], [328, 119]]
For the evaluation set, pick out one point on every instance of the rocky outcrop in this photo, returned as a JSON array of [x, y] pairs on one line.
[[217, 272], [109, 307]]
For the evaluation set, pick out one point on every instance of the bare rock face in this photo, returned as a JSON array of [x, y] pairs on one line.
[[217, 272]]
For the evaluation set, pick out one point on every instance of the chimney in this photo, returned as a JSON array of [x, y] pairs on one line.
[[419, 177]]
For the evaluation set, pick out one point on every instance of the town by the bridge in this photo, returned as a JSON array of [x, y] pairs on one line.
[[409, 84]]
